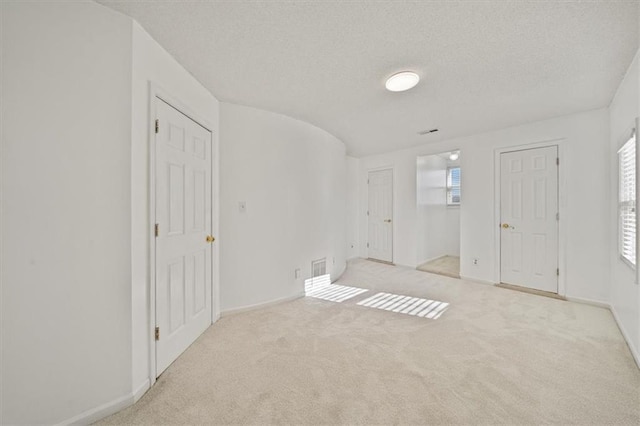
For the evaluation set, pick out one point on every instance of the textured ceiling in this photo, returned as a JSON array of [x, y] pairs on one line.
[[484, 64]]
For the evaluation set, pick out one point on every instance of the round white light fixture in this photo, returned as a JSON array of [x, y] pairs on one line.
[[454, 156], [402, 81]]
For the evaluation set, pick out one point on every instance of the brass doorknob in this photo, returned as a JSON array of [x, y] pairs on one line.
[[505, 225], [210, 238]]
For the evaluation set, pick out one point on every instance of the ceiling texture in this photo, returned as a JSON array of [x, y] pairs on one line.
[[484, 65]]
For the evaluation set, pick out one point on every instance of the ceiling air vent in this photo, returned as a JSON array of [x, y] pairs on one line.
[[426, 132]]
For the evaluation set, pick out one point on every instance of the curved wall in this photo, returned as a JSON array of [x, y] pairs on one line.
[[291, 177], [66, 211]]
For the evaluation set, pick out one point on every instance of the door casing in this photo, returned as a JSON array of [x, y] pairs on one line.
[[156, 92], [562, 237]]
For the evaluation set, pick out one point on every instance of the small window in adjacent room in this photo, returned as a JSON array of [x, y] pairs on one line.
[[453, 186], [627, 200]]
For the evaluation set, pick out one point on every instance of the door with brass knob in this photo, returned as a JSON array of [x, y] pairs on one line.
[[528, 218], [182, 152], [380, 215]]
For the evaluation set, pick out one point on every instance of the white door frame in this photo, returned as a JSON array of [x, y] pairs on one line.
[[155, 91], [562, 232], [393, 208]]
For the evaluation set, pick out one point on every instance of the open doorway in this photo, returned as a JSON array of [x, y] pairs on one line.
[[438, 199]]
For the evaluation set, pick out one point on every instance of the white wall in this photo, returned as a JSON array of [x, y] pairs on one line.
[[437, 224], [625, 293], [452, 224], [151, 63], [585, 206], [66, 210], [352, 232], [431, 208], [292, 177], [75, 226]]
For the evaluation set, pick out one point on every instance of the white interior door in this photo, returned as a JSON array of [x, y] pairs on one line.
[[380, 212], [183, 232], [528, 216]]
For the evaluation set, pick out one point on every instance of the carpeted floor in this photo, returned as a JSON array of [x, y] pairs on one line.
[[493, 356], [445, 265]]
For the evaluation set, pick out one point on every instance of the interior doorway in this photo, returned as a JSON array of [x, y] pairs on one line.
[[438, 199], [380, 215]]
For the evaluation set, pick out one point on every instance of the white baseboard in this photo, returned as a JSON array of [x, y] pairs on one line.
[[589, 302], [632, 349], [142, 389], [107, 409], [477, 280], [261, 305], [100, 412]]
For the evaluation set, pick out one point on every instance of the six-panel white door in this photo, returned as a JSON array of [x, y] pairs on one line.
[[183, 216], [380, 245], [528, 216]]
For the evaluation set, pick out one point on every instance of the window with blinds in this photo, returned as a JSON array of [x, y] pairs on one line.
[[453, 186], [627, 200]]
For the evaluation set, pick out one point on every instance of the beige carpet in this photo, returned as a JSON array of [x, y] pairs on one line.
[[445, 265], [494, 356]]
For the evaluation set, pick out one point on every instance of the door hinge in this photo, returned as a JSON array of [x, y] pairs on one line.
[[557, 216], [157, 229], [367, 245], [558, 271], [157, 333], [367, 212], [157, 125], [557, 161], [367, 181]]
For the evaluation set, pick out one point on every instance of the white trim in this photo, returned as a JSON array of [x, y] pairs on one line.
[[634, 351], [625, 335], [591, 302], [109, 408], [562, 230], [157, 92], [142, 389], [637, 131], [100, 412], [151, 285], [261, 305], [393, 207]]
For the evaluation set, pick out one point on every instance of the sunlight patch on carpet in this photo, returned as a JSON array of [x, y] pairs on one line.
[[321, 288], [408, 305]]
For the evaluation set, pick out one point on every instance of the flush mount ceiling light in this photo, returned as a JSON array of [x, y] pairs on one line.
[[402, 81], [454, 155]]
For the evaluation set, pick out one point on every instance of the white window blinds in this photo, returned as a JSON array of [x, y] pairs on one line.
[[627, 200], [453, 186]]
